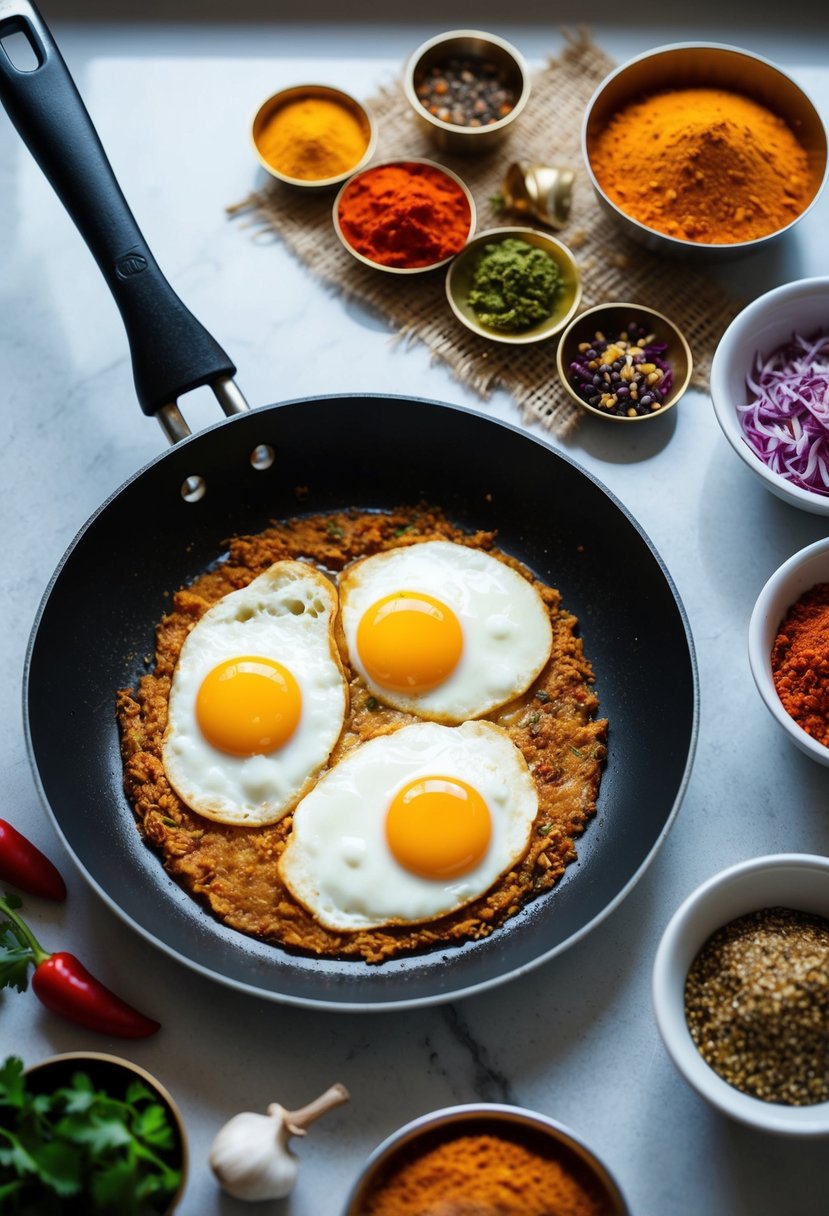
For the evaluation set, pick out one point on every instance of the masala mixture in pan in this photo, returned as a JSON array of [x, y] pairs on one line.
[[233, 868]]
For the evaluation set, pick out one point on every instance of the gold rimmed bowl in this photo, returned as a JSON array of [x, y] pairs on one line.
[[613, 321], [396, 255], [459, 281], [362, 123]]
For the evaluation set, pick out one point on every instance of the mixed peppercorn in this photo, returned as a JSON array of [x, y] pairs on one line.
[[626, 375], [466, 91]]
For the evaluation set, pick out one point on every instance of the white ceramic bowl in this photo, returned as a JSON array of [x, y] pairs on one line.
[[764, 325], [792, 880], [802, 571]]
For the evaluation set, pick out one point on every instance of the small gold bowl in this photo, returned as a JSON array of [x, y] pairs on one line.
[[318, 92], [431, 166], [475, 45], [709, 65], [612, 320], [459, 282]]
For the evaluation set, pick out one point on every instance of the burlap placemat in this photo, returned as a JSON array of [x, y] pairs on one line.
[[415, 306]]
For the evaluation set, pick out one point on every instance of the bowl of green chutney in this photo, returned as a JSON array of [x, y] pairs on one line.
[[514, 285]]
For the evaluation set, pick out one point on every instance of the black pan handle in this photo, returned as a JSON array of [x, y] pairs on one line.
[[171, 351]]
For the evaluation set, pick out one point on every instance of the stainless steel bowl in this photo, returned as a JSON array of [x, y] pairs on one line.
[[703, 65], [451, 137], [484, 1118]]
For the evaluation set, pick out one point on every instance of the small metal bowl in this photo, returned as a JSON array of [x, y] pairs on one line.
[[800, 573], [452, 137], [764, 325], [510, 1122], [408, 160], [799, 881], [703, 65], [459, 279], [613, 319], [323, 92]]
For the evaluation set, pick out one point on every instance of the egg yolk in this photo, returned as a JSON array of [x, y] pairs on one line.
[[438, 827], [248, 706], [409, 641]]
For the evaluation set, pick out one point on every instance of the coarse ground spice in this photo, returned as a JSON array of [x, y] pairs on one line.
[[486, 1175], [757, 1005], [800, 662], [703, 164]]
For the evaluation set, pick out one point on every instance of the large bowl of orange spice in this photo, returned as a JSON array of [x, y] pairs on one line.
[[703, 150], [485, 1157]]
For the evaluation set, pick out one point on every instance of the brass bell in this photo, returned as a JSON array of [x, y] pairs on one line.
[[544, 191]]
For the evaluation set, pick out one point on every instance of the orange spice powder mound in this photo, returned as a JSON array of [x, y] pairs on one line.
[[800, 662], [484, 1175], [704, 165]]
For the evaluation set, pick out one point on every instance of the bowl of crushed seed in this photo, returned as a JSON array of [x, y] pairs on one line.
[[741, 992]]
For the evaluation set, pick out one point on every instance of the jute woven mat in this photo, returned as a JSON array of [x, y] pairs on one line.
[[549, 131]]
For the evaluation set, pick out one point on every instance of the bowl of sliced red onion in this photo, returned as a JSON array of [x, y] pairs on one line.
[[770, 390]]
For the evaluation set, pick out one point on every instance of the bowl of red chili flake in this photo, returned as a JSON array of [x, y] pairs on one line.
[[404, 216], [623, 362], [741, 992], [466, 88], [788, 648]]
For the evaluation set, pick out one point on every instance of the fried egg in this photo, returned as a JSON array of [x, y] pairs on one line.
[[443, 631], [410, 826], [258, 698]]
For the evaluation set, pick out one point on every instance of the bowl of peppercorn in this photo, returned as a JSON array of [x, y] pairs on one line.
[[514, 285], [741, 992], [788, 648], [466, 88], [624, 363]]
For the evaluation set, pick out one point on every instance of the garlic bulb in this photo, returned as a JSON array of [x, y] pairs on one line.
[[250, 1155]]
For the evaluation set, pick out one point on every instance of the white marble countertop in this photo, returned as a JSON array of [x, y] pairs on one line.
[[575, 1038]]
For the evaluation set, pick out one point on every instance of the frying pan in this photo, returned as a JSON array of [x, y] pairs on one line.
[[171, 520]]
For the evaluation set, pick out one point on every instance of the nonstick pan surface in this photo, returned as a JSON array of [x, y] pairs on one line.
[[372, 453], [95, 628]]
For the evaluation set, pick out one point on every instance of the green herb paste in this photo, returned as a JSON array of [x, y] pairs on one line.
[[514, 285]]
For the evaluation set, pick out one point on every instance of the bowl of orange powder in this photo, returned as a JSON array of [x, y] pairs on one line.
[[788, 648], [485, 1157], [404, 216], [703, 150], [313, 135]]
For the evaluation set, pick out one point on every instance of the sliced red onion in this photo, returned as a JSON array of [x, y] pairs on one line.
[[786, 421]]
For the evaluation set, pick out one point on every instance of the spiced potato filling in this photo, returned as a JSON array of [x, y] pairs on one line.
[[233, 870]]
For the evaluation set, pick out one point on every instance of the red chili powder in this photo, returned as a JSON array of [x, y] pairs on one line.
[[800, 662]]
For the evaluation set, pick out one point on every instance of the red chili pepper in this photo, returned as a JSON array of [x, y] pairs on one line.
[[62, 983], [23, 865]]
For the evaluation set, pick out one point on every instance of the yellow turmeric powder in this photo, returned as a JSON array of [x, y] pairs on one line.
[[312, 138], [703, 165], [479, 1175]]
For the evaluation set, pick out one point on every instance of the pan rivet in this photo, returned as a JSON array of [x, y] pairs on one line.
[[193, 489], [262, 456]]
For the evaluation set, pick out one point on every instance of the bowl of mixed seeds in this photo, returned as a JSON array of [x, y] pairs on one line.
[[741, 992], [466, 88]]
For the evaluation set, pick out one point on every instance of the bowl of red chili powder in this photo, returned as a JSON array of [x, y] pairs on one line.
[[703, 151], [485, 1157], [788, 648], [404, 216]]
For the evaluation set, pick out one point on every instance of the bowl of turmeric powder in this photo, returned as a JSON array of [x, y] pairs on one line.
[[703, 150], [313, 135], [485, 1157], [788, 648]]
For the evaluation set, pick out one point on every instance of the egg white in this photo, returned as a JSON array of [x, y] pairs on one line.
[[337, 862], [505, 625], [286, 614]]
